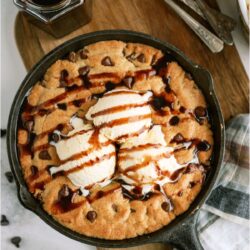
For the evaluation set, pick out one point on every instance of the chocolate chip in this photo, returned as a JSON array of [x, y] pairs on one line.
[[188, 76], [29, 125], [16, 241], [106, 61], [97, 96], [91, 216], [203, 146], [84, 70], [167, 80], [9, 176], [54, 137], [174, 120], [200, 112], [178, 138], [63, 78], [180, 193], [159, 102], [157, 187], [44, 155], [132, 210], [63, 192], [192, 184], [153, 61], [78, 103], [3, 132], [132, 56], [165, 206], [141, 58], [72, 56], [34, 170], [4, 220], [115, 208], [83, 53], [62, 106], [79, 192], [182, 109], [128, 81], [109, 86]]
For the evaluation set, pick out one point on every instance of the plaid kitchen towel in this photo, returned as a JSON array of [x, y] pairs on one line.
[[224, 219]]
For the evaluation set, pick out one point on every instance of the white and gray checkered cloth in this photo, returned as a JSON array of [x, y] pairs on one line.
[[224, 219]]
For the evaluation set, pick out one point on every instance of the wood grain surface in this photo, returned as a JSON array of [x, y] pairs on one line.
[[153, 17]]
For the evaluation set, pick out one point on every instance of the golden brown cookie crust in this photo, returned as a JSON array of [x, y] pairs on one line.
[[69, 88]]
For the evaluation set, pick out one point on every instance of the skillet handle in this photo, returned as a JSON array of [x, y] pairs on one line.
[[185, 236]]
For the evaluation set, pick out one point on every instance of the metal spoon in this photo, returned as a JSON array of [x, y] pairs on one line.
[[193, 5], [222, 24], [214, 43]]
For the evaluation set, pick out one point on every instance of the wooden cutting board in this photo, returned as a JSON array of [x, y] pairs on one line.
[[157, 19]]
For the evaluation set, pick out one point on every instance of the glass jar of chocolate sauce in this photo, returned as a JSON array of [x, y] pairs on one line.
[[57, 17]]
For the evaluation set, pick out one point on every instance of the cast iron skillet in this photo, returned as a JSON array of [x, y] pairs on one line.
[[182, 231]]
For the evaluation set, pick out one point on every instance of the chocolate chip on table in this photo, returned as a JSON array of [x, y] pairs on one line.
[[4, 220], [165, 206], [83, 70], [9, 176], [54, 137], [72, 56], [62, 106], [141, 58], [16, 241], [91, 216], [63, 192], [29, 125], [203, 146], [106, 61], [174, 120], [200, 112], [3, 132], [178, 138], [34, 170], [44, 155], [128, 81], [83, 54]]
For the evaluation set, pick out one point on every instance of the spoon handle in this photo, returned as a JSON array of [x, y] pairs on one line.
[[222, 24], [212, 41], [193, 5]]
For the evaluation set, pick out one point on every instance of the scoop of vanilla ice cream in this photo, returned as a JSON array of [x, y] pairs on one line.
[[87, 157], [146, 158], [121, 113]]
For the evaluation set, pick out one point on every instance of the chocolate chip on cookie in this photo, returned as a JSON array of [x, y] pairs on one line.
[[91, 216]]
